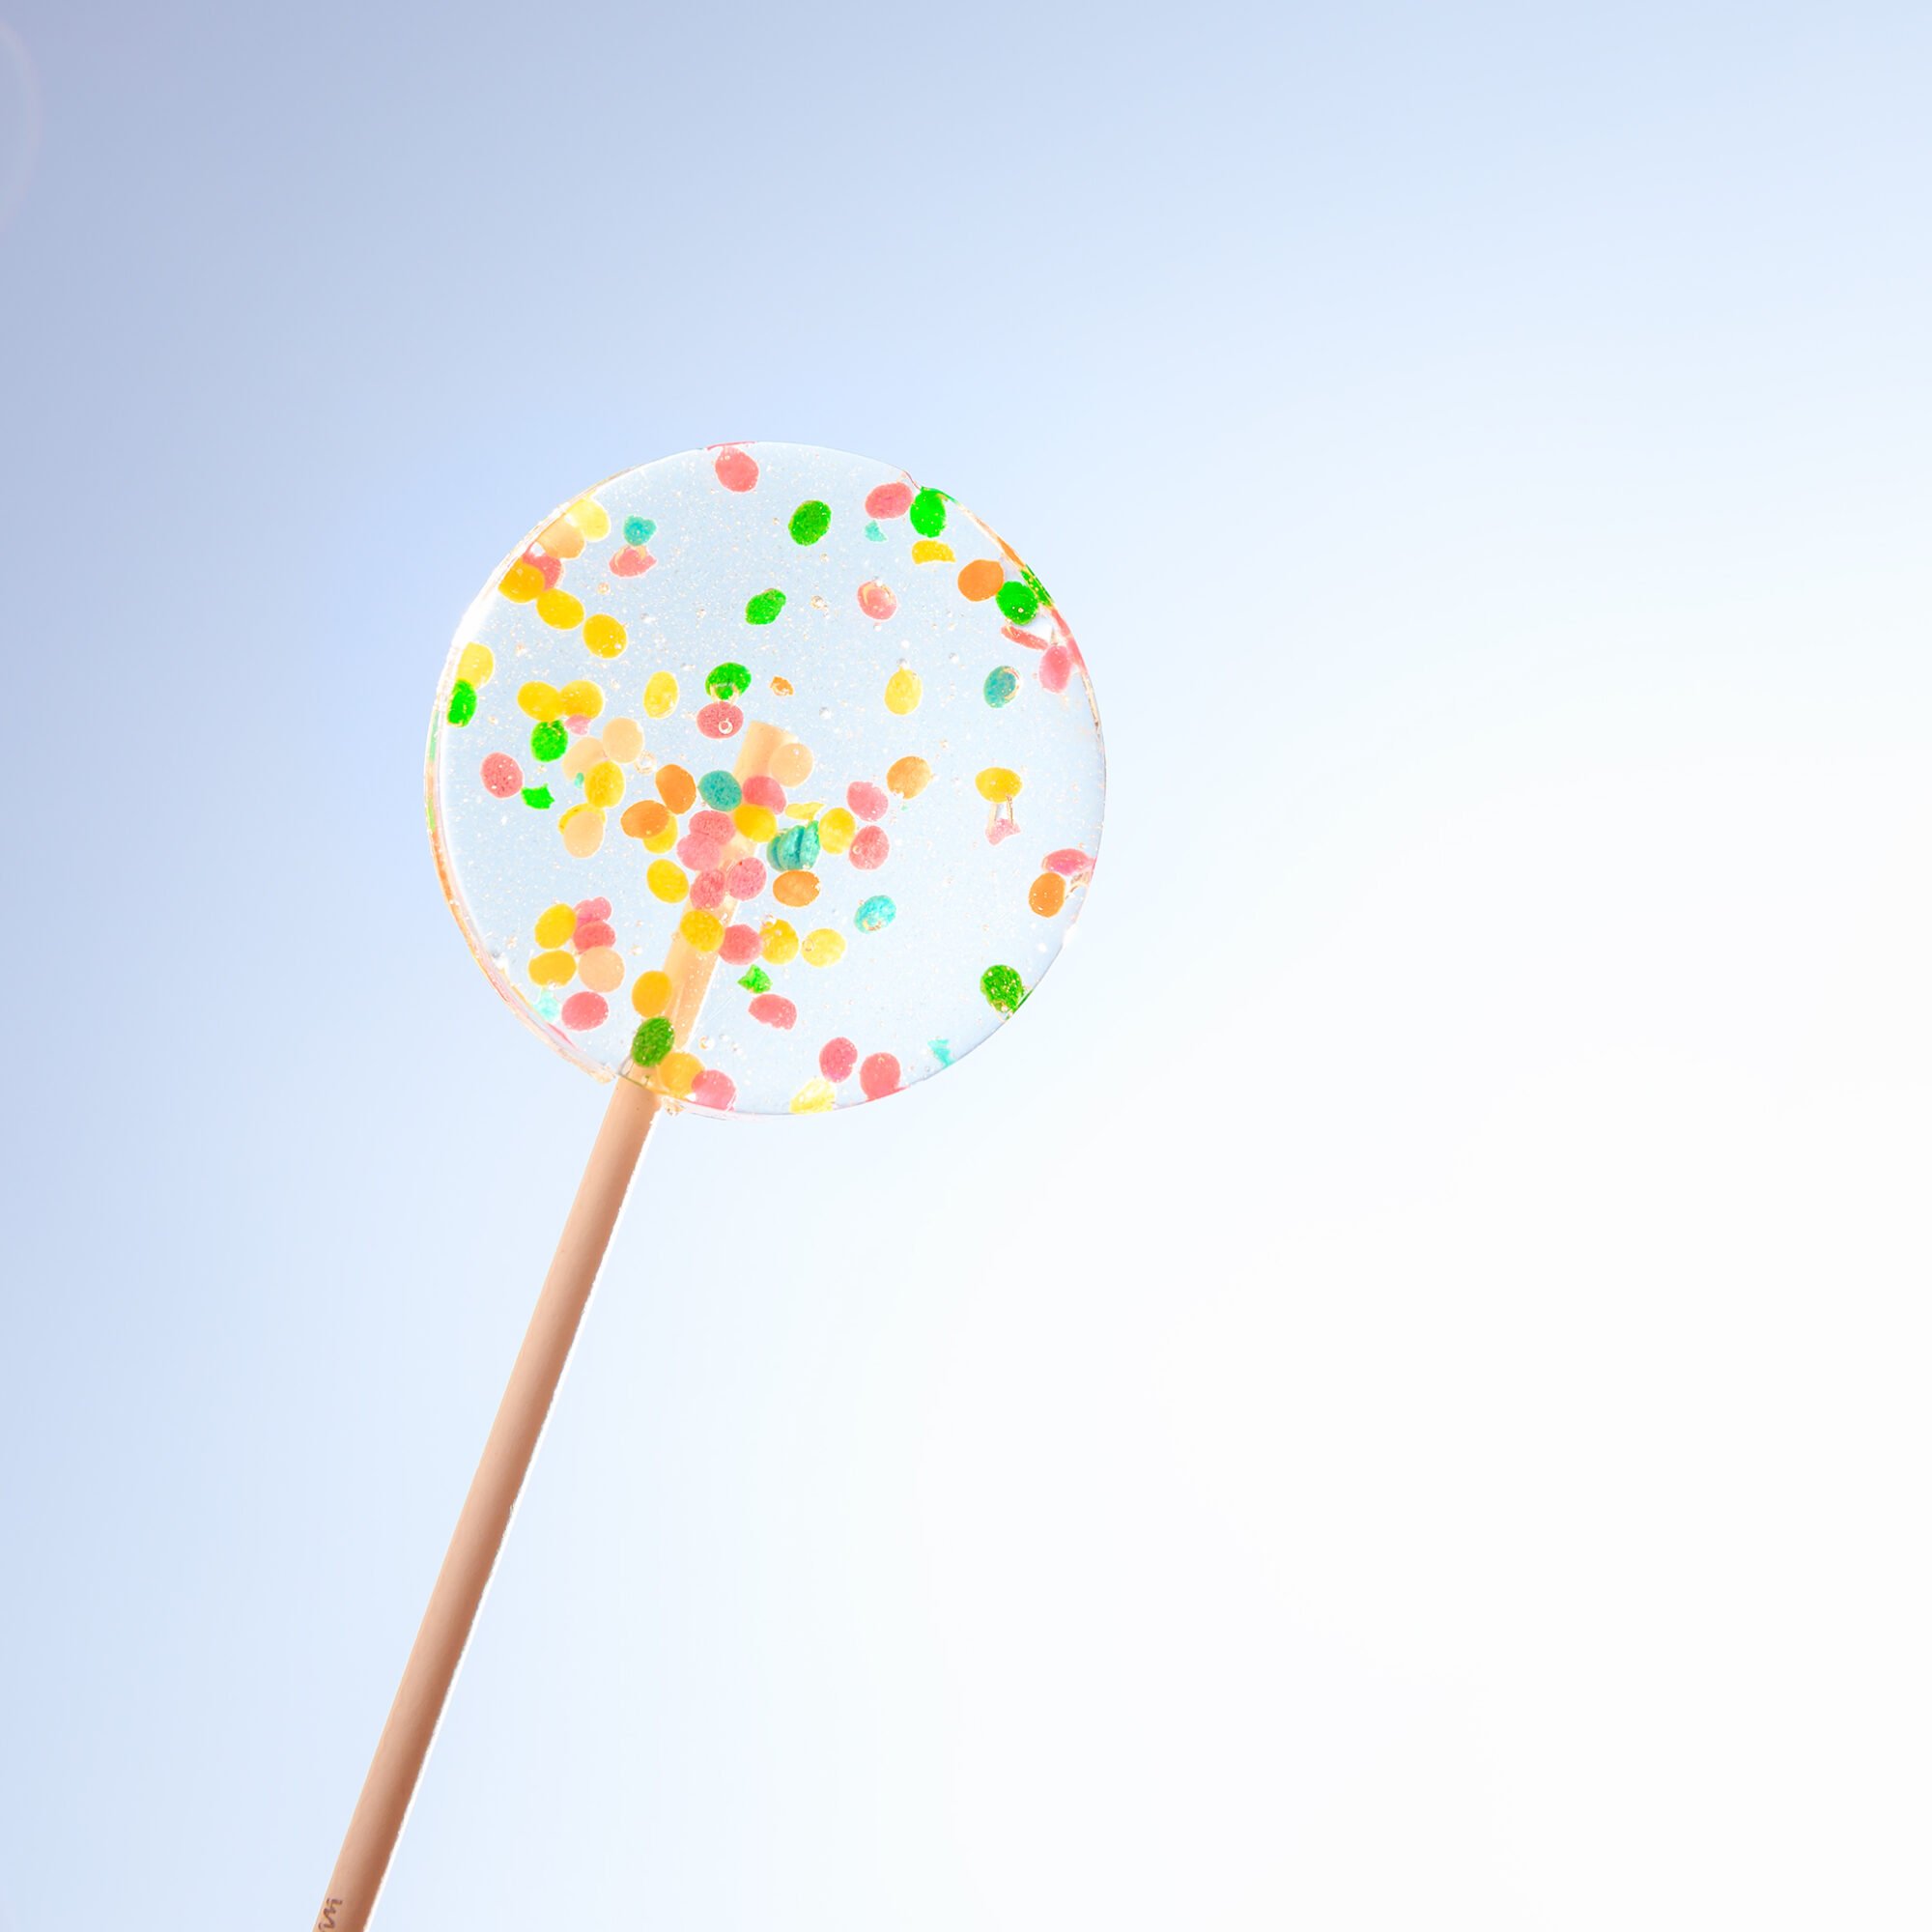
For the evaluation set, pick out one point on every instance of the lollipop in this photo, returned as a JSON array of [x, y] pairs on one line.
[[762, 780]]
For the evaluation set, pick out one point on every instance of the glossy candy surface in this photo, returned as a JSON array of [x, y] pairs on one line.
[[784, 725]]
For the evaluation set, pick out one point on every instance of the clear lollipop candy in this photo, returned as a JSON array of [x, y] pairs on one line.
[[767, 776], [763, 779]]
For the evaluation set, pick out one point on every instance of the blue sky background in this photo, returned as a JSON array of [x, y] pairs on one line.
[[1393, 1393]]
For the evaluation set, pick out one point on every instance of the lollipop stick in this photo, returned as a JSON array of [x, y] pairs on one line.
[[376, 1823], [378, 1820]]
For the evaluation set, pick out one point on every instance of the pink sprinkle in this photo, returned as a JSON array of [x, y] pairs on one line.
[[876, 600], [879, 1076], [1015, 636], [766, 791], [736, 469], [713, 1090], [546, 566], [502, 778], [630, 561], [583, 1010], [1001, 828], [701, 854], [711, 825], [889, 499], [592, 908], [1055, 668], [720, 721], [772, 1009], [593, 932], [577, 723], [868, 848], [837, 1059], [1070, 862], [707, 889], [739, 946], [746, 880], [866, 800]]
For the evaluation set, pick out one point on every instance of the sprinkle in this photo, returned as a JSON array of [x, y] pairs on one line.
[[582, 1011], [1002, 989], [879, 1076], [727, 680], [764, 607], [876, 911], [501, 776], [537, 797], [462, 702], [928, 513], [1000, 684], [757, 980], [810, 521], [837, 1059]]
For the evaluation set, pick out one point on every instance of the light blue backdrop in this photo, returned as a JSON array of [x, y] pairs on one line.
[[1392, 1394]]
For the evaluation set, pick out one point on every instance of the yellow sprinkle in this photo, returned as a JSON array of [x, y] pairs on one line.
[[475, 665], [560, 609], [815, 1097], [805, 809], [823, 946], [580, 698], [543, 701], [556, 924], [780, 687], [837, 829], [926, 551], [553, 969], [756, 821], [903, 692], [650, 994], [701, 930], [602, 635], [665, 881], [678, 1073], [660, 695], [522, 581], [603, 785], [998, 785], [777, 942], [663, 837], [590, 517]]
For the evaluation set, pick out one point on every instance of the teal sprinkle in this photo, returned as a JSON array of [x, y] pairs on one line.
[[795, 849], [757, 980], [537, 797], [550, 1003], [462, 702], [639, 529], [879, 911], [720, 791], [1000, 684], [875, 534], [940, 1051]]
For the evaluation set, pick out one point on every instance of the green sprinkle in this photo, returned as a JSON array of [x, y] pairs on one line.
[[652, 1041], [757, 980], [1003, 989], [639, 529], [462, 702], [810, 522], [537, 797], [1017, 601], [727, 681], [928, 513], [764, 607], [550, 741]]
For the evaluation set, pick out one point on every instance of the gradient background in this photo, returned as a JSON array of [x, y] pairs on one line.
[[1394, 1394]]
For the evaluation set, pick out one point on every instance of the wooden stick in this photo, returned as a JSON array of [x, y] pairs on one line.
[[387, 1793], [380, 1814]]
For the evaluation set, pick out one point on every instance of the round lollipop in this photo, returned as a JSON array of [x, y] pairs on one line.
[[762, 780]]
